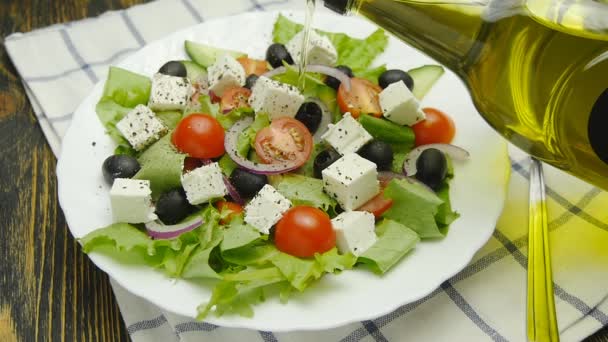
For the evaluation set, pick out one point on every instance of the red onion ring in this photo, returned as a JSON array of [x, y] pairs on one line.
[[234, 194], [159, 230], [316, 68]]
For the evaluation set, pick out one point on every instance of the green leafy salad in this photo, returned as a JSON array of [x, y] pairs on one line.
[[238, 170]]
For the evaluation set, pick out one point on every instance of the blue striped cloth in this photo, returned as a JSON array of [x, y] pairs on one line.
[[486, 301]]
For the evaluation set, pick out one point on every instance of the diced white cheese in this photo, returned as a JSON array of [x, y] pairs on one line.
[[351, 180], [169, 92], [204, 183], [346, 136], [399, 105], [355, 231], [141, 127], [320, 49], [225, 73], [131, 201], [266, 209], [275, 99]]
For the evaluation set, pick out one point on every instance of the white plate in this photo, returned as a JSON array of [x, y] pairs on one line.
[[478, 192]]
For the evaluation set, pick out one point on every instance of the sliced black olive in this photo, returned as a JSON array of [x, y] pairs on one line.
[[395, 75], [310, 114], [324, 160], [276, 54], [173, 206], [250, 81], [379, 153], [431, 168], [334, 82], [246, 183], [119, 166], [173, 68]]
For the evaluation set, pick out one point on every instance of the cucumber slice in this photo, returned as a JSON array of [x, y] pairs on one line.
[[205, 55], [425, 78], [195, 72]]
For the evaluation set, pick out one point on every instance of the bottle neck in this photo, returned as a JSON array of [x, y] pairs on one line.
[[445, 32]]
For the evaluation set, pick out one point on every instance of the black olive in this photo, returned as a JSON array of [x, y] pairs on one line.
[[119, 166], [310, 114], [173, 206], [379, 153], [246, 183], [395, 75], [431, 168], [334, 82], [250, 81], [174, 68], [323, 160], [276, 54]]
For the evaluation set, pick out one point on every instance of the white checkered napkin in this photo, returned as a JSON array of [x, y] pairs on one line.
[[486, 301]]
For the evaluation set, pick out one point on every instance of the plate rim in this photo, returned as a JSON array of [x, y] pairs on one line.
[[132, 289]]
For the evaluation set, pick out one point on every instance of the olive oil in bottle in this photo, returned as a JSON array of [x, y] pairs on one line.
[[537, 70]]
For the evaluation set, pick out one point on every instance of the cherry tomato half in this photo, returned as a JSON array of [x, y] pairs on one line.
[[361, 99], [304, 231], [253, 66], [234, 98], [200, 136], [234, 208], [437, 128], [285, 140]]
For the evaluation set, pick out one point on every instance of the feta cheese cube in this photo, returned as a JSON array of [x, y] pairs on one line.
[[204, 183], [266, 209], [355, 231], [352, 180], [320, 49], [141, 127], [346, 136], [131, 201], [399, 105], [225, 73], [169, 92], [275, 99]]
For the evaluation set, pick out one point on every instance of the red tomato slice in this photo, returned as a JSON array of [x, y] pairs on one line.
[[361, 99], [253, 66], [200, 136], [304, 231], [234, 208], [234, 98], [437, 128], [378, 205], [285, 140]]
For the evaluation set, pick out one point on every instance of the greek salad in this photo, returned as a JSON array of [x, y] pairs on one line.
[[228, 168]]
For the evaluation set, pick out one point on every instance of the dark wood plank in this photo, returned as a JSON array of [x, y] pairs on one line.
[[49, 290]]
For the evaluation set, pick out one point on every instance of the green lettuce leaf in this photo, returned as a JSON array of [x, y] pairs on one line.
[[247, 138], [238, 234], [227, 165], [162, 165], [123, 91], [394, 242], [229, 119], [174, 261], [238, 297], [125, 237], [445, 215], [199, 265], [372, 74], [302, 190], [169, 118], [358, 54], [414, 206]]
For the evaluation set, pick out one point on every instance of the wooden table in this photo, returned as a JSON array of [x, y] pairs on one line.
[[49, 290]]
